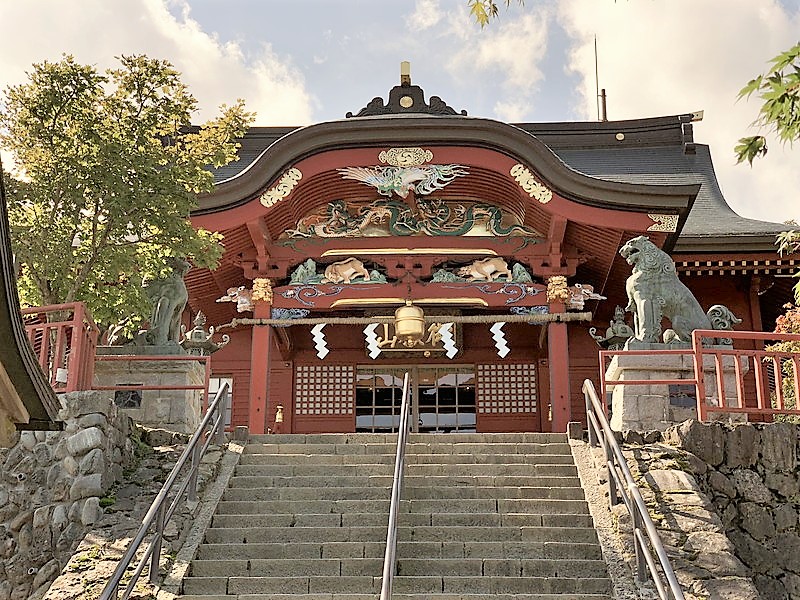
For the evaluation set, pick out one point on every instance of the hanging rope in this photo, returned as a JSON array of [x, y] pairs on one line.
[[533, 319]]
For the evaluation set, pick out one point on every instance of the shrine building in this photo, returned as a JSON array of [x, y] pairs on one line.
[[506, 236]]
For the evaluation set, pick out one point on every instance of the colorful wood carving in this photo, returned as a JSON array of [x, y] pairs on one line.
[[422, 180], [430, 217]]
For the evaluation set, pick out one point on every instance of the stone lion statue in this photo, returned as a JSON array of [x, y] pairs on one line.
[[654, 291], [168, 296]]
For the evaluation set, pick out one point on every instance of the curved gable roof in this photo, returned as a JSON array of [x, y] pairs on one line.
[[451, 131], [657, 151]]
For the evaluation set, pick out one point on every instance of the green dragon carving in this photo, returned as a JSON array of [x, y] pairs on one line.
[[393, 218]]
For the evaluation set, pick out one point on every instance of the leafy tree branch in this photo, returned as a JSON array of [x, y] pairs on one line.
[[779, 91], [109, 168], [484, 11]]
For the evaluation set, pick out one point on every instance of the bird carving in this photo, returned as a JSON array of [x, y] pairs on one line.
[[402, 180]]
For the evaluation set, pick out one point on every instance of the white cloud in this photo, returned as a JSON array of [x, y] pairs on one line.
[[216, 72], [427, 13], [511, 51], [665, 57], [511, 111]]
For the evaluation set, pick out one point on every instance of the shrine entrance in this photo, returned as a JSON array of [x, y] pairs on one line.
[[442, 398], [449, 398]]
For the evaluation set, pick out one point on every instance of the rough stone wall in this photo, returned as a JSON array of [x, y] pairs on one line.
[[701, 555], [96, 557], [753, 480], [754, 483], [51, 484]]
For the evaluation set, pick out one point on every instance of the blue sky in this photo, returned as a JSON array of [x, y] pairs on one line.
[[297, 62]]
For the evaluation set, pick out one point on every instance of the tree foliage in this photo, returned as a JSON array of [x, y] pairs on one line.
[[109, 169], [789, 243], [779, 91], [484, 11]]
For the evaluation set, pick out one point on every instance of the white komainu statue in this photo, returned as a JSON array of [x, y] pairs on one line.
[[654, 291]]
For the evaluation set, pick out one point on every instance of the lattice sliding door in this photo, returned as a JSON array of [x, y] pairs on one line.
[[323, 398], [507, 397]]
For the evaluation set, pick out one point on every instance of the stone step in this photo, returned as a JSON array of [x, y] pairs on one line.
[[411, 459], [444, 492], [286, 535], [332, 460], [421, 470], [309, 470], [320, 448], [430, 550], [410, 492], [323, 438], [450, 505], [304, 518], [396, 596], [402, 584], [385, 481], [373, 438], [527, 448], [565, 522], [282, 567], [437, 447], [489, 458]]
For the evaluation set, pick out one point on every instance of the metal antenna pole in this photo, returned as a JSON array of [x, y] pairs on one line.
[[596, 80]]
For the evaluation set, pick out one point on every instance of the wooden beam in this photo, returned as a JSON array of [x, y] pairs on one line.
[[261, 240]]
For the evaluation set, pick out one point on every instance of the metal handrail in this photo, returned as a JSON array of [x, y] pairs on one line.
[[644, 530], [397, 485], [162, 510]]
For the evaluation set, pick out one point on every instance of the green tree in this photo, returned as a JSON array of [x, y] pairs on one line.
[[779, 91], [109, 167], [789, 243]]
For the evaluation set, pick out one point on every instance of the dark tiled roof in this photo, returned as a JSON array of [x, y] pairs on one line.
[[665, 165], [253, 143]]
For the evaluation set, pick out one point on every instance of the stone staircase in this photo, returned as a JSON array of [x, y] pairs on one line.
[[482, 515]]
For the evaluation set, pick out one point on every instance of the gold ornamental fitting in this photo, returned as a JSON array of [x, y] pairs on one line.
[[409, 322]]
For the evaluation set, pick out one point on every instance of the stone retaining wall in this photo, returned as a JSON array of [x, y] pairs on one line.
[[754, 484], [51, 484]]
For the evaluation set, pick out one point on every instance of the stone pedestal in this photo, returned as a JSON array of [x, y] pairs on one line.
[[659, 405], [176, 410]]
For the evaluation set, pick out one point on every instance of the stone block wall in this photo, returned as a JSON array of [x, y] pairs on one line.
[[177, 410], [753, 480], [50, 489]]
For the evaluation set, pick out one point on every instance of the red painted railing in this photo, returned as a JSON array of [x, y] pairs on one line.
[[64, 338], [760, 378]]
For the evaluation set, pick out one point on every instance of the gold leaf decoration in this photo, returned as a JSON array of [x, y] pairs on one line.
[[262, 289], [530, 185], [405, 157], [668, 223], [281, 189], [557, 289]]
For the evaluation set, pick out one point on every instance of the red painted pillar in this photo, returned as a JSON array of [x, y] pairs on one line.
[[260, 350], [558, 360], [558, 295]]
